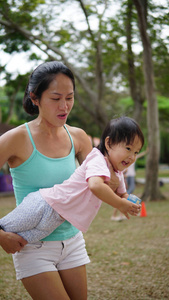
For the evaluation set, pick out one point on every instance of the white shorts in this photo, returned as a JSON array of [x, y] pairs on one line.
[[45, 256]]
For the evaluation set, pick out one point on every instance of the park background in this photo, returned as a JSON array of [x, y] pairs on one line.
[[119, 54]]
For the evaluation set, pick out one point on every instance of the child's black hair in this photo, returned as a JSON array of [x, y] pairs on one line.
[[123, 129]]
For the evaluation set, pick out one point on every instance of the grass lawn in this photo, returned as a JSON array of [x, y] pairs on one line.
[[129, 259]]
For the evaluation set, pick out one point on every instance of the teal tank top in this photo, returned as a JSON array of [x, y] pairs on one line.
[[40, 171]]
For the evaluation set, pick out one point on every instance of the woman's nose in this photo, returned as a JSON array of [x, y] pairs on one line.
[[62, 104]]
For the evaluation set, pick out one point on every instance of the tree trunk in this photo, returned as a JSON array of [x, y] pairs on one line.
[[11, 108], [152, 190], [135, 89]]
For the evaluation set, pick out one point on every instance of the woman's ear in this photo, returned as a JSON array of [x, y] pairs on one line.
[[33, 96], [34, 99]]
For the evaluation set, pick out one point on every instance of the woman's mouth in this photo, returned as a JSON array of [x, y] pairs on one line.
[[62, 116]]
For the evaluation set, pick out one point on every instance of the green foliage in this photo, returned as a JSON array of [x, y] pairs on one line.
[[14, 42], [126, 104], [127, 107], [80, 118], [21, 14], [28, 5], [34, 56], [164, 137], [3, 105], [141, 163], [163, 107], [13, 91], [163, 103]]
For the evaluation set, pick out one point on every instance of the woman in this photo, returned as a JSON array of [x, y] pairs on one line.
[[40, 154]]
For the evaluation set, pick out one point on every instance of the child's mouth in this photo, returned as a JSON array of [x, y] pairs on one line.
[[124, 163]]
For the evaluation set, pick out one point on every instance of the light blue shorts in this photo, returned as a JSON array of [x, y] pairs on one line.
[[45, 256]]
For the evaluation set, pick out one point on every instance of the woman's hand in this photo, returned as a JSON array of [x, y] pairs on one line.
[[11, 242], [113, 183]]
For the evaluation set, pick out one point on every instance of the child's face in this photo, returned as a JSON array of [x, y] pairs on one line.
[[121, 156]]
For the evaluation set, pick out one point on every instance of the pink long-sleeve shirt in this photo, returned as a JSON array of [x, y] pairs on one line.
[[73, 199]]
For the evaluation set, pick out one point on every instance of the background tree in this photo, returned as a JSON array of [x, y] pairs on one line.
[[135, 80], [151, 191]]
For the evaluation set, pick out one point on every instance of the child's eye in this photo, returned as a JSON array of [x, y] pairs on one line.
[[128, 148]]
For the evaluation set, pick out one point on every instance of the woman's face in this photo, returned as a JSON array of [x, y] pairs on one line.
[[57, 101]]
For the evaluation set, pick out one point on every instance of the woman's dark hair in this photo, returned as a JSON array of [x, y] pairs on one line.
[[39, 81], [123, 129]]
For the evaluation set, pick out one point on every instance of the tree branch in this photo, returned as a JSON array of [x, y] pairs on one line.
[[87, 20], [33, 38]]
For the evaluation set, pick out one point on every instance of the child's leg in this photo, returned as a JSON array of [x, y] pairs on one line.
[[114, 217], [32, 212], [115, 211], [25, 216], [47, 224], [36, 234]]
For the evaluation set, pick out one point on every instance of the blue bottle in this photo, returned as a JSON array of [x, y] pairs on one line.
[[134, 199]]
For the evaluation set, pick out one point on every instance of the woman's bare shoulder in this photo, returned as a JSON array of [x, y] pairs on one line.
[[13, 133], [77, 132], [79, 136], [81, 141]]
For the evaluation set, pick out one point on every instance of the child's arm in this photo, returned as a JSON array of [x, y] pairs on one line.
[[101, 190], [125, 195]]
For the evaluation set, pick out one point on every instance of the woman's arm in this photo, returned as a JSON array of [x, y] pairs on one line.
[[10, 242], [12, 144], [106, 194]]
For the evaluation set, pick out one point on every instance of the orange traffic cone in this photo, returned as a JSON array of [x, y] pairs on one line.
[[143, 212]]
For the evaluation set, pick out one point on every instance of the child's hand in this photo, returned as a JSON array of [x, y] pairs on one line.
[[128, 207]]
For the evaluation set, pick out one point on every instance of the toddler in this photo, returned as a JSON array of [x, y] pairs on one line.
[[79, 198]]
